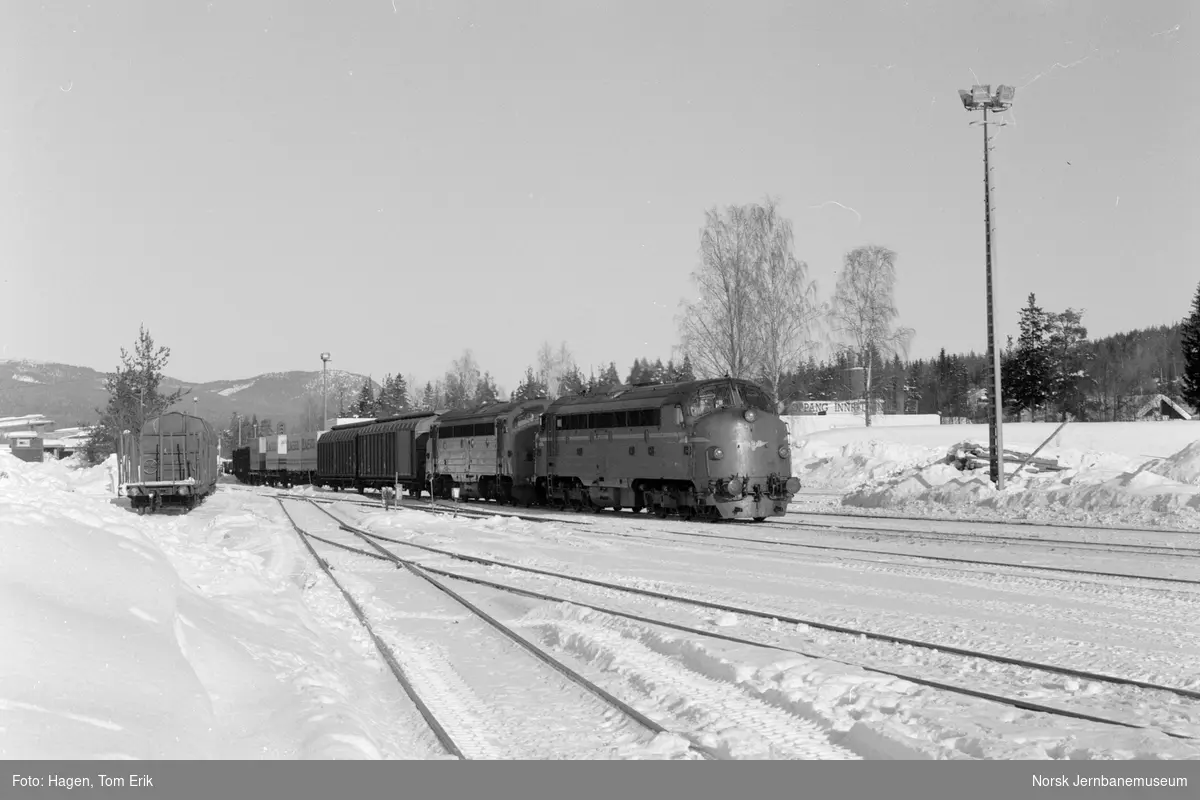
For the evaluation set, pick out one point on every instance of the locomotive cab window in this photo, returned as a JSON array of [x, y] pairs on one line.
[[756, 398], [709, 399]]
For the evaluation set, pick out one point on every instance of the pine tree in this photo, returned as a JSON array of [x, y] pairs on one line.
[[572, 382], [1190, 387], [485, 390], [1025, 369], [1067, 344], [610, 376], [530, 387], [134, 396], [686, 372], [364, 404]]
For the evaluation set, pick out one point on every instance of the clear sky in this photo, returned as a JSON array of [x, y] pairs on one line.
[[259, 181]]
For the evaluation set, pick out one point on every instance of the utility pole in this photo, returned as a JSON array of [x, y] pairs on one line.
[[324, 396], [982, 98]]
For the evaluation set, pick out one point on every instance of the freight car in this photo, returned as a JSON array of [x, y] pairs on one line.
[[374, 454], [285, 459], [488, 452], [176, 463], [711, 449]]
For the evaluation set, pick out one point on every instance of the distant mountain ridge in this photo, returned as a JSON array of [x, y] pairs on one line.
[[70, 395]]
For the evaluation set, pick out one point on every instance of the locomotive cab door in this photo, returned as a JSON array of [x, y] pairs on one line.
[[502, 463]]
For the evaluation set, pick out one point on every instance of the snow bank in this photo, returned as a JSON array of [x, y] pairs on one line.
[[168, 636], [1111, 474]]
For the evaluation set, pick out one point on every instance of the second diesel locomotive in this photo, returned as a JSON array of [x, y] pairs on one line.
[[710, 449]]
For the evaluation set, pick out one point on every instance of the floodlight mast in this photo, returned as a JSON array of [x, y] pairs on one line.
[[981, 98], [325, 359]]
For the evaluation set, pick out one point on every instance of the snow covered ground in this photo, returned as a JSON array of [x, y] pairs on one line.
[[215, 635], [1133, 474]]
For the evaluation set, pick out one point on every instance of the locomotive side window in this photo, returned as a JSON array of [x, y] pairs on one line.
[[602, 420], [619, 419]]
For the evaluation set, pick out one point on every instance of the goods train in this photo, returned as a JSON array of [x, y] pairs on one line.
[[172, 463], [712, 449]]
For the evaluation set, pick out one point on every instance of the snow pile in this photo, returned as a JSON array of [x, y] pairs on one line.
[[170, 636], [1183, 467], [911, 468]]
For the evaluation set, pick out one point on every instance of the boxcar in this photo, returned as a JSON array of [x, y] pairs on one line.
[[374, 454], [487, 452], [240, 464], [393, 451], [177, 462], [711, 448]]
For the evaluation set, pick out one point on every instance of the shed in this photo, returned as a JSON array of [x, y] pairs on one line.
[[1162, 407], [27, 446]]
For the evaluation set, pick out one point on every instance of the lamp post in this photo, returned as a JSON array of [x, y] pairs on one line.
[[981, 98], [324, 397]]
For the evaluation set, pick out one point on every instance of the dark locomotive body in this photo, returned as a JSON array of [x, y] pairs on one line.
[[487, 453], [175, 464], [709, 449]]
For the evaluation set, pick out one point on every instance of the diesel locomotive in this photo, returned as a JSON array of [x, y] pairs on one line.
[[709, 449]]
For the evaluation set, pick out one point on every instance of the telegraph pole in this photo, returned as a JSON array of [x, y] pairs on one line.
[[982, 98]]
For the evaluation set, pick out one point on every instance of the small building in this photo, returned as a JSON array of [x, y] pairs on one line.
[[1161, 407], [27, 446]]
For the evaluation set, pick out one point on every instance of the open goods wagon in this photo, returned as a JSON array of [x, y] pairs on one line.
[[176, 463]]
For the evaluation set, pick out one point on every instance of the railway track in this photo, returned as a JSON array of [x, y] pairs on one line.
[[786, 545], [421, 682], [969, 538], [1168, 694], [992, 538], [994, 522]]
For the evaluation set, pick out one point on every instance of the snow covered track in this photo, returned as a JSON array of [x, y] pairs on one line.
[[1160, 696], [459, 722], [384, 650], [784, 546], [1060, 710], [700, 700]]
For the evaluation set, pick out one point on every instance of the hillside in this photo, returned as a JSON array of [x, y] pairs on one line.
[[70, 395]]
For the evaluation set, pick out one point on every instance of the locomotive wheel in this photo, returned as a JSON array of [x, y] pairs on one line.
[[759, 519], [636, 509]]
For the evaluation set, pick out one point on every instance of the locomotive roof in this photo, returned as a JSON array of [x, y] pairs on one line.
[[489, 410], [658, 394], [173, 422]]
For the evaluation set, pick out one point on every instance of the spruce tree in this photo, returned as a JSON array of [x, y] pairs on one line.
[[1191, 354], [134, 396]]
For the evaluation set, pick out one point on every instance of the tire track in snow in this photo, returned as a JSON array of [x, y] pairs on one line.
[[471, 723], [720, 711]]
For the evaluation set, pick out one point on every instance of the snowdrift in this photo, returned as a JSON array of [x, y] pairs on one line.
[[164, 637], [1111, 473]]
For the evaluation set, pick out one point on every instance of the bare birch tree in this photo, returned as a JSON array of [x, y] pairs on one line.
[[864, 312], [785, 300], [718, 329]]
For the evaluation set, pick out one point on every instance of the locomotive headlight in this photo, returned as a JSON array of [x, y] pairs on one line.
[[750, 415], [784, 451], [793, 485], [734, 487], [716, 453]]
